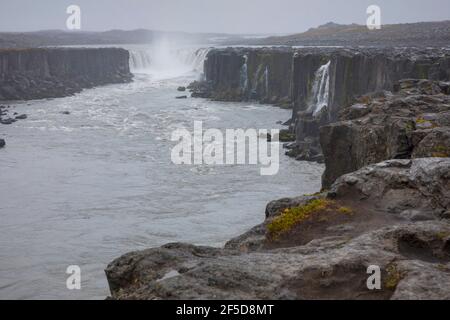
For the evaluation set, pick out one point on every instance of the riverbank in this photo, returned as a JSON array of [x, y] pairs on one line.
[[89, 177], [393, 214]]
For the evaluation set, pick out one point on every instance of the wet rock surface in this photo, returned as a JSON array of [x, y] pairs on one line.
[[375, 229]]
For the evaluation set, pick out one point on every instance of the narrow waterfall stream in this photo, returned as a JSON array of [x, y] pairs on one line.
[[320, 90]]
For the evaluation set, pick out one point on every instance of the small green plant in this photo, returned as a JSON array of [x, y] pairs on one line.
[[442, 267], [286, 136], [441, 152], [421, 120], [442, 235], [345, 210], [410, 126], [394, 276]]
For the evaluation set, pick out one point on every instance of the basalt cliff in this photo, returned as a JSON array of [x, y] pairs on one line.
[[386, 207], [56, 72], [315, 82], [411, 122]]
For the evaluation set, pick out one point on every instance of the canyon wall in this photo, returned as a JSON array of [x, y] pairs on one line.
[[316, 82], [349, 73], [237, 74], [412, 122], [56, 72], [356, 72]]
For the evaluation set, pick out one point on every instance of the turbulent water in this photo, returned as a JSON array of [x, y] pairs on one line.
[[84, 188]]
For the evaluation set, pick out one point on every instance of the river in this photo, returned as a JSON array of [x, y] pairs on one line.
[[86, 187]]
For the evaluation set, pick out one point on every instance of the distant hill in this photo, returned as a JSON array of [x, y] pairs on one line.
[[422, 34], [140, 36]]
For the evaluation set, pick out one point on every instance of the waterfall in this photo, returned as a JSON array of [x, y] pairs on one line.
[[266, 81], [193, 57], [165, 61], [244, 74], [139, 60], [320, 90], [261, 82], [256, 77]]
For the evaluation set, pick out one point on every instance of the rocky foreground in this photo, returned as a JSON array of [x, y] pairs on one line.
[[393, 214]]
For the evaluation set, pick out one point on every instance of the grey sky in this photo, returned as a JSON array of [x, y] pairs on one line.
[[230, 16]]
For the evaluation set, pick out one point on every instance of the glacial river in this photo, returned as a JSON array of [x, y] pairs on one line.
[[86, 187]]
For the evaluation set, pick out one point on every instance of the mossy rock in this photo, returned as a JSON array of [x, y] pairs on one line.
[[293, 216], [286, 136]]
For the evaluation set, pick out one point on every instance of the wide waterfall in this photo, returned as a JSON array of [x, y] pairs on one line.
[[320, 90], [139, 60], [193, 57], [164, 61]]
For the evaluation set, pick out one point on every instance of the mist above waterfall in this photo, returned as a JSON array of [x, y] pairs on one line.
[[164, 59]]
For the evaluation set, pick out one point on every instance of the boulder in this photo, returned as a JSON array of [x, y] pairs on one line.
[[21, 117], [8, 121]]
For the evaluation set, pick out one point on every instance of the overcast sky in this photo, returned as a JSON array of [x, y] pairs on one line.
[[228, 16]]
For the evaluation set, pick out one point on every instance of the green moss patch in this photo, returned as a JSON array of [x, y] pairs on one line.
[[345, 210], [293, 216], [393, 278], [441, 152]]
